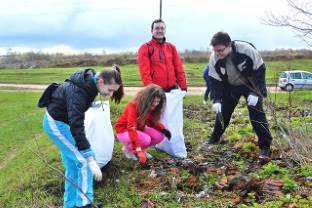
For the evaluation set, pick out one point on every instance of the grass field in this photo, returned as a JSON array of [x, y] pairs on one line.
[[25, 181], [131, 76]]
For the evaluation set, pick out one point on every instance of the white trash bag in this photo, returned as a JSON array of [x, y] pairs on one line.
[[173, 121], [99, 131]]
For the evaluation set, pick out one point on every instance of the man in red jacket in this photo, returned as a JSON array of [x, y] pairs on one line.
[[159, 62]]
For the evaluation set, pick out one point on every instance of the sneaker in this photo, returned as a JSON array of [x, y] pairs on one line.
[[148, 156], [264, 153], [204, 102], [128, 154]]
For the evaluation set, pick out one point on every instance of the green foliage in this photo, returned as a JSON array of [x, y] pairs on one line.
[[233, 138], [272, 169], [289, 184], [305, 171], [299, 201], [209, 179], [249, 147], [246, 130]]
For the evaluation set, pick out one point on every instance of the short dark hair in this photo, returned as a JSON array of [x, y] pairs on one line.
[[221, 38], [157, 21]]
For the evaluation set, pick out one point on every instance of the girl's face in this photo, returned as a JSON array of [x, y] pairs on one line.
[[155, 103], [107, 89]]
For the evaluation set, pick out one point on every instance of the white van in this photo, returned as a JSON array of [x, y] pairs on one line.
[[296, 79]]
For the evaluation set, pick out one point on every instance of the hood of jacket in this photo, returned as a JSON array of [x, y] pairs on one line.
[[84, 79]]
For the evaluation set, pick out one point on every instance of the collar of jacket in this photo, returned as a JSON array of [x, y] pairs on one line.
[[155, 41]]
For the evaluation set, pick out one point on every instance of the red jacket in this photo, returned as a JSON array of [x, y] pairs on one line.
[[160, 64], [129, 117], [128, 120]]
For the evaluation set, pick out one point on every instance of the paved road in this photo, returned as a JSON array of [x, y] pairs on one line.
[[128, 90]]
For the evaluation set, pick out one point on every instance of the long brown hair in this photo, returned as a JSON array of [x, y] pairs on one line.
[[110, 76], [144, 100]]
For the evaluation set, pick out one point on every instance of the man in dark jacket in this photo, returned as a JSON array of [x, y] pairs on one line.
[[237, 69], [64, 124]]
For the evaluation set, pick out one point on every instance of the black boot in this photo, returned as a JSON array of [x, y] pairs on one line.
[[265, 153], [212, 140]]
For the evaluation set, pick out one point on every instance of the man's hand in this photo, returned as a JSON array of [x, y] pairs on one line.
[[217, 107], [95, 169], [252, 100], [141, 155], [167, 133]]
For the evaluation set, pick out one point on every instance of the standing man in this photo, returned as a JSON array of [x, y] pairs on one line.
[[159, 63], [237, 69]]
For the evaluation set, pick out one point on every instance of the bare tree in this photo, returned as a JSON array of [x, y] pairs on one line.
[[299, 19]]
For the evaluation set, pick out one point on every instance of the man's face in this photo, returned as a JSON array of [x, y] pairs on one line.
[[159, 30], [222, 51], [107, 89]]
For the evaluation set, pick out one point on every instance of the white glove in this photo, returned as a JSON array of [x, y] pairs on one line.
[[96, 170], [217, 107], [252, 100]]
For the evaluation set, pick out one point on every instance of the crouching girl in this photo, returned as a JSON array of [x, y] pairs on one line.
[[138, 127]]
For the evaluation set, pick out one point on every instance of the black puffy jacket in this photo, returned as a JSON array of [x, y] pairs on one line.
[[71, 100]]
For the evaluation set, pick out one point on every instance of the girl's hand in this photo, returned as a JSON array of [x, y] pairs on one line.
[[141, 155]]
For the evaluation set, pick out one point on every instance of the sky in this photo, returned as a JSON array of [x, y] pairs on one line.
[[106, 26]]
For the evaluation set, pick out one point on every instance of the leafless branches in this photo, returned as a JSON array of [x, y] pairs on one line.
[[298, 19]]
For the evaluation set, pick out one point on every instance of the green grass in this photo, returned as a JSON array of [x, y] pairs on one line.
[[25, 181], [297, 97], [130, 73]]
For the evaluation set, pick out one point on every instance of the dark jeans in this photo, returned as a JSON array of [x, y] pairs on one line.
[[257, 116], [206, 92]]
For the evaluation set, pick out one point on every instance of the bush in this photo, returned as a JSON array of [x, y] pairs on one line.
[[272, 169]]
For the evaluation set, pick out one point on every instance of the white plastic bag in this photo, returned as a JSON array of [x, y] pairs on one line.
[[173, 121], [99, 131]]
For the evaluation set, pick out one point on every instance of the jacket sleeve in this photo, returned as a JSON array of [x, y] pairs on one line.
[[216, 89], [144, 65], [132, 125], [178, 67], [215, 82], [76, 114], [258, 78]]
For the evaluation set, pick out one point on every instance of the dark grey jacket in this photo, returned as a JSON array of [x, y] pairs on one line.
[[71, 100], [248, 63]]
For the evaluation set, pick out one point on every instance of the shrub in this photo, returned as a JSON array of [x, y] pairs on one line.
[[233, 138], [289, 184], [272, 169], [249, 147]]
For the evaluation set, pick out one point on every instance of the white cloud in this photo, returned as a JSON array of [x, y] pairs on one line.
[[125, 24]]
